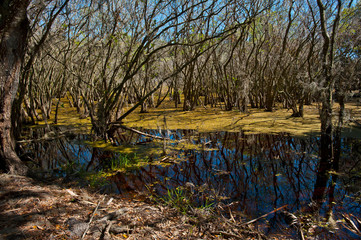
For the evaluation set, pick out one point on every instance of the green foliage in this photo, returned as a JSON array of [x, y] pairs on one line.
[[75, 170], [125, 161], [71, 168], [97, 179], [184, 200], [177, 198]]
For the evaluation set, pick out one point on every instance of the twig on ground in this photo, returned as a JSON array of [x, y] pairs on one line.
[[91, 219], [301, 233], [79, 198], [230, 213], [265, 215], [106, 229], [351, 224], [226, 234], [110, 201]]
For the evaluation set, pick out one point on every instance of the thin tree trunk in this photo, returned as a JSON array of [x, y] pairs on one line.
[[327, 148], [14, 27]]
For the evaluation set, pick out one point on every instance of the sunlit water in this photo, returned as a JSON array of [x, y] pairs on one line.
[[257, 173]]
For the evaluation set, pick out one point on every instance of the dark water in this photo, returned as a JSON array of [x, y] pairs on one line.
[[257, 173]]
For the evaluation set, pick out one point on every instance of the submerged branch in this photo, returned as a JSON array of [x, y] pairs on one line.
[[140, 132], [356, 122]]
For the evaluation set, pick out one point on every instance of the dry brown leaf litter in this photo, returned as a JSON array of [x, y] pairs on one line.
[[36, 210]]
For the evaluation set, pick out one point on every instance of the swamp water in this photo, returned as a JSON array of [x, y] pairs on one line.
[[252, 174]]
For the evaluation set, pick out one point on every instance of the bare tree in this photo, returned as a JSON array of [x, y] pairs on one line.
[[328, 48]]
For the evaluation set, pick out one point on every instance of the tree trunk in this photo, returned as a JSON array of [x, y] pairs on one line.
[[14, 27], [327, 148]]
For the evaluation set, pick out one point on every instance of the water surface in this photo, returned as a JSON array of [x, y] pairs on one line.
[[255, 173]]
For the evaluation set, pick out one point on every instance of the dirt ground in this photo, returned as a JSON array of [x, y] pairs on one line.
[[32, 209]]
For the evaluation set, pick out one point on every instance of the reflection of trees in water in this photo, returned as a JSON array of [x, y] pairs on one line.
[[345, 166], [259, 171], [331, 195], [52, 149]]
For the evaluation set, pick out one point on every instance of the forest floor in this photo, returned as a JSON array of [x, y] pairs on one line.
[[32, 209]]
